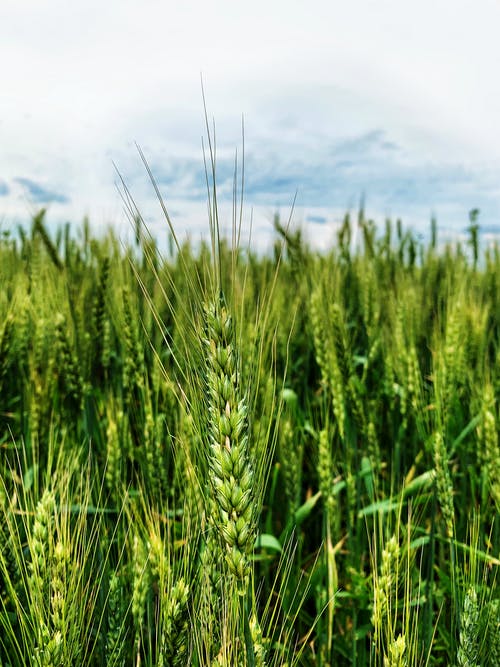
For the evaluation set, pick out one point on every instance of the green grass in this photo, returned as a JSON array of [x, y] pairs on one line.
[[221, 458]]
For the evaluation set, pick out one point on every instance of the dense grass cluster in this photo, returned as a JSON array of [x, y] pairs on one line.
[[218, 458]]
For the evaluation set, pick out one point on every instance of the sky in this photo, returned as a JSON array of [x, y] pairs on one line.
[[389, 102]]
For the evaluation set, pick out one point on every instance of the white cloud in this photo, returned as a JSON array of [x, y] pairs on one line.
[[83, 80]]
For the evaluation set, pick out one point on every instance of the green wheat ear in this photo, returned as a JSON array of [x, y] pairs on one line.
[[396, 653], [468, 650], [230, 469]]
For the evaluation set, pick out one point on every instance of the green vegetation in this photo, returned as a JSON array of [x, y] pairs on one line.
[[218, 458]]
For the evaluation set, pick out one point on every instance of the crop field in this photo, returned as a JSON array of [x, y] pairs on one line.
[[214, 457]]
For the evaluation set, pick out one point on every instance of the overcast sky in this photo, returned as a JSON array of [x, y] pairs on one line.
[[394, 101]]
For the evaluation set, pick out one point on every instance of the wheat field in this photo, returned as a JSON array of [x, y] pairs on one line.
[[215, 457]]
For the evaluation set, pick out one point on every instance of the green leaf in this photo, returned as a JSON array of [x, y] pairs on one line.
[[382, 506], [267, 541], [338, 487], [367, 474], [419, 542], [465, 432], [477, 553], [423, 481], [305, 510], [29, 477]]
